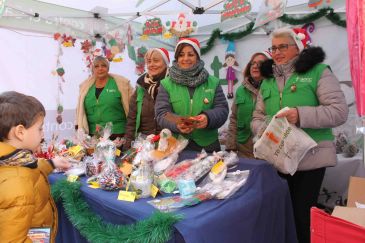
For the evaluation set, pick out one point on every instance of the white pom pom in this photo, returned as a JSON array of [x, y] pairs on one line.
[[301, 36]]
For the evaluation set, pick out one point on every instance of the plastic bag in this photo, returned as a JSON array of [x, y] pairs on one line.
[[283, 145]]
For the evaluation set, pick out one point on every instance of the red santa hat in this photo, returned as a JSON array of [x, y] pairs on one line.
[[301, 38], [266, 54], [299, 35], [165, 55], [191, 41]]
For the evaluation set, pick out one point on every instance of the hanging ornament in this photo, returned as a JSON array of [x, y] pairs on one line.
[[181, 27], [153, 27]]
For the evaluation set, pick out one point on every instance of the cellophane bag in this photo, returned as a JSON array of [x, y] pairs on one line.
[[283, 145]]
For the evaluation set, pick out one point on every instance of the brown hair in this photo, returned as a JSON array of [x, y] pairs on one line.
[[230, 55], [18, 109], [246, 72], [179, 49]]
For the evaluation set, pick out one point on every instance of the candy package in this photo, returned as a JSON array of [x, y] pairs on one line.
[[169, 204]]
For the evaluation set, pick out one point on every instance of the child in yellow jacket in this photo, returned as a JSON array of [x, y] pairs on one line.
[[25, 199]]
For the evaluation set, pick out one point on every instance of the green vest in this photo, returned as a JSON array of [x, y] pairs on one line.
[[202, 100], [107, 108], [245, 106], [305, 85], [139, 101]]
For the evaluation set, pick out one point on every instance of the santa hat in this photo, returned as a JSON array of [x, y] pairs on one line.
[[300, 36], [191, 41], [266, 54], [165, 55]]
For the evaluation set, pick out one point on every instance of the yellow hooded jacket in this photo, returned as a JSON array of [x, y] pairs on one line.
[[25, 199]]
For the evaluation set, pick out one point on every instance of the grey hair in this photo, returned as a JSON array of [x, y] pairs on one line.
[[283, 32], [101, 59]]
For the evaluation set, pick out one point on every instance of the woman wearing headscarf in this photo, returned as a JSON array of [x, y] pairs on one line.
[[190, 101], [103, 98], [296, 78], [239, 136], [141, 117]]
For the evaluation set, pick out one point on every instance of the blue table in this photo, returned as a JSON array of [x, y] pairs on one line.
[[260, 211]]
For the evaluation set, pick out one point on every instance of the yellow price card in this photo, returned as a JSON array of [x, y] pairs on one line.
[[154, 191], [74, 150], [94, 185], [218, 167], [117, 152], [72, 178], [127, 196]]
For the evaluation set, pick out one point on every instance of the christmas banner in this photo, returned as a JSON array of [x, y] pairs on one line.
[[269, 11], [153, 27], [235, 8]]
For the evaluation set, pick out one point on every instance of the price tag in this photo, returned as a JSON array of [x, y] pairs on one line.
[[74, 150], [94, 185], [218, 167], [117, 152], [154, 191], [72, 178], [127, 196]]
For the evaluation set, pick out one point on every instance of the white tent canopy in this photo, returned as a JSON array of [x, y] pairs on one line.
[[29, 53]]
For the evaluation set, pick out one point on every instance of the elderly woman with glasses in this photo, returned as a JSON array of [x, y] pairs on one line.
[[239, 132], [297, 79]]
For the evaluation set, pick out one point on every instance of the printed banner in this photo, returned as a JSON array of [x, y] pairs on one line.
[[235, 8], [269, 11]]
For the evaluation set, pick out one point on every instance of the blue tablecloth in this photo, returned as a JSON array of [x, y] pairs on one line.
[[260, 211]]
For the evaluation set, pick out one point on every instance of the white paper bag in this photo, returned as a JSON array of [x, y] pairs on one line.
[[283, 145]]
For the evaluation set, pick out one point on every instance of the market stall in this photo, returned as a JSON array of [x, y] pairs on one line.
[[258, 212]]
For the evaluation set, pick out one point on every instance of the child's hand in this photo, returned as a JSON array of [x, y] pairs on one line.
[[61, 163]]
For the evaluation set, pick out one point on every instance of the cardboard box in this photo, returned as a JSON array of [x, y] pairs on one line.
[[351, 214], [356, 193]]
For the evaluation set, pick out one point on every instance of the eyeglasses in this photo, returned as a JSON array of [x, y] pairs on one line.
[[258, 64], [282, 47]]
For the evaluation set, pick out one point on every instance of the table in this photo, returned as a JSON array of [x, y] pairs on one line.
[[260, 211], [336, 180]]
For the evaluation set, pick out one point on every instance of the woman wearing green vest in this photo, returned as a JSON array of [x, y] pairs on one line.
[[239, 136], [103, 98], [190, 92], [297, 79], [141, 116]]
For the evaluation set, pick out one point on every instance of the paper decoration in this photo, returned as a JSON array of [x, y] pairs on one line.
[[66, 41], [235, 8], [318, 3], [88, 48], [113, 46], [182, 27], [231, 65], [269, 11], [153, 27]]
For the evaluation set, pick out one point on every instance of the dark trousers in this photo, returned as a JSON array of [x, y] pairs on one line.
[[304, 189]]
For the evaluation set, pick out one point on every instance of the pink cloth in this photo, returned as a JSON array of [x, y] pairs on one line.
[[355, 18]]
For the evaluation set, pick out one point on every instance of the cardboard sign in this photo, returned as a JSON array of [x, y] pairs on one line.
[[127, 196]]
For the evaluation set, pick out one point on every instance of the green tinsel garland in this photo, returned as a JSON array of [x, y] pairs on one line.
[[157, 228], [324, 12]]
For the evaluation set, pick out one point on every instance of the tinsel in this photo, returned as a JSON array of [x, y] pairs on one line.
[[157, 228], [324, 12]]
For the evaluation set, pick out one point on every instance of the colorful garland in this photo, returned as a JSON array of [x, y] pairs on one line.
[[324, 12], [157, 228]]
